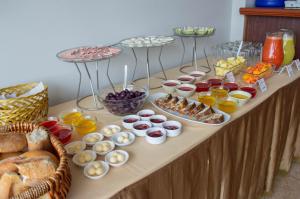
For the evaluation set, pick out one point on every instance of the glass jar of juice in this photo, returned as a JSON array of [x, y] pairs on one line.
[[273, 49], [219, 92], [206, 98], [227, 105], [288, 46], [86, 125]]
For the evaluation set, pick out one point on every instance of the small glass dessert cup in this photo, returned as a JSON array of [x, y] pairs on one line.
[[202, 86], [207, 98], [86, 125], [219, 91]]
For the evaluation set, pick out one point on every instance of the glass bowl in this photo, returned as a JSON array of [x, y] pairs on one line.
[[124, 105]]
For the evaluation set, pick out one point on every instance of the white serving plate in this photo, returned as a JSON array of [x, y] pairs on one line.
[[156, 96]]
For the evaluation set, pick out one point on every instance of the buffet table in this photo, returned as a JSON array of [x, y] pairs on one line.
[[235, 160]]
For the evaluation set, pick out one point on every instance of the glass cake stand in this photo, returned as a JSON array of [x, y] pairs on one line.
[[156, 41], [81, 65], [184, 68]]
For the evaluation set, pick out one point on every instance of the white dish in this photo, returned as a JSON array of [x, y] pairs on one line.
[[129, 125], [147, 41], [156, 140], [240, 102], [123, 138], [110, 130], [106, 146], [156, 96], [158, 117], [170, 132], [116, 155], [190, 81], [170, 89], [184, 93], [91, 138], [75, 147], [147, 112], [198, 74], [141, 132], [95, 166], [84, 157]]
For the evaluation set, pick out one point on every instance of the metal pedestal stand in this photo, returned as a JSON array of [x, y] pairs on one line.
[[148, 47], [83, 63], [194, 64]]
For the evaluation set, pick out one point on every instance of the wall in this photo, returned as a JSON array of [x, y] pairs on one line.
[[237, 20], [33, 31]]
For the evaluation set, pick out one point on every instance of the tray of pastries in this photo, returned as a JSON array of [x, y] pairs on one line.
[[188, 109]]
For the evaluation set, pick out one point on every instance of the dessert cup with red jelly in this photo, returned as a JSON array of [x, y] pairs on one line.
[[231, 86], [170, 85], [140, 128], [173, 128], [157, 120], [146, 114], [249, 89], [48, 124], [156, 135], [186, 79], [129, 120], [215, 82], [62, 132], [186, 90], [202, 87]]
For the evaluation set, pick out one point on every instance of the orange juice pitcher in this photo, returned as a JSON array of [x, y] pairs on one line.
[[273, 49]]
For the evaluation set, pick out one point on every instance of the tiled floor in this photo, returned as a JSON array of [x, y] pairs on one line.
[[288, 186]]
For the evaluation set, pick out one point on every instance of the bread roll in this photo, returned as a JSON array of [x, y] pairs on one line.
[[38, 139], [8, 165], [12, 142], [4, 156], [5, 185], [39, 154], [38, 165]]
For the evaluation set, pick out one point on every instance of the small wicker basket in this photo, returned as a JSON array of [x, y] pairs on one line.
[[23, 109], [58, 185]]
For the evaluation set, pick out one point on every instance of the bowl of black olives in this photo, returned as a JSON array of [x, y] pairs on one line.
[[124, 101]]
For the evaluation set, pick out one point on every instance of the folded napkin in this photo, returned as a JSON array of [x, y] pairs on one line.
[[38, 88]]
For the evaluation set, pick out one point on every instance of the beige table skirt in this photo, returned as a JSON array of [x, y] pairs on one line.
[[235, 160], [239, 161]]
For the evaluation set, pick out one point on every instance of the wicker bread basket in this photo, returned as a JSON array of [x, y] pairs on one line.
[[23, 109], [58, 185]]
